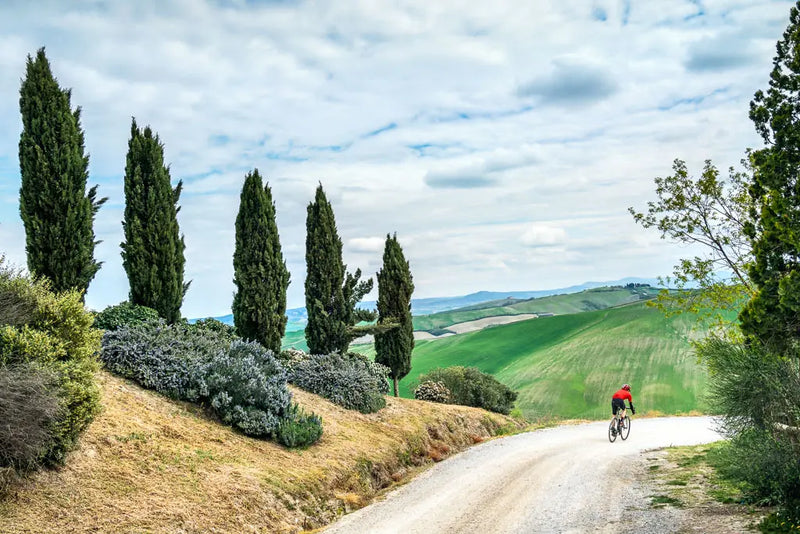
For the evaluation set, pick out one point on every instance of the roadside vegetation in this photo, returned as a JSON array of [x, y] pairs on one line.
[[749, 226], [692, 479], [48, 394], [149, 461]]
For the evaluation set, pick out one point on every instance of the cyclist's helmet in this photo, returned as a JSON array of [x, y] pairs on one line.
[[626, 387]]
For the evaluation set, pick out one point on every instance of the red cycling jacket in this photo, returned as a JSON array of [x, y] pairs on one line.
[[623, 394]]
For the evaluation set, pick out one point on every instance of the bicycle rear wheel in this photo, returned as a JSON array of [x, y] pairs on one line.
[[612, 431], [626, 430]]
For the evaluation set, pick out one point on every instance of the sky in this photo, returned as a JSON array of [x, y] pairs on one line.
[[503, 142]]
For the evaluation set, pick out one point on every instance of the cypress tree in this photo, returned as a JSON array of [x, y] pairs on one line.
[[259, 271], [773, 314], [57, 211], [326, 330], [393, 346], [152, 253]]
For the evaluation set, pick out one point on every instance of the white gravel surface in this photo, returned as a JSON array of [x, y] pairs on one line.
[[565, 479]]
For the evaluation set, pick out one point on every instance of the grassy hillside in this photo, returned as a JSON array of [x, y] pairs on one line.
[[295, 340], [569, 365], [148, 464], [591, 299]]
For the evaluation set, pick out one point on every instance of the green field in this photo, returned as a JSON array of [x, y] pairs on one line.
[[569, 365], [589, 300], [295, 339]]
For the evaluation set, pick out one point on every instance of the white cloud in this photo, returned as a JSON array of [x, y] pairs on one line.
[[543, 234], [366, 244], [398, 108]]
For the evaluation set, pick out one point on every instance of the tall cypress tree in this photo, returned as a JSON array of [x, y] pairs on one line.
[[259, 271], [773, 314], [57, 211], [326, 330], [152, 253], [393, 346]]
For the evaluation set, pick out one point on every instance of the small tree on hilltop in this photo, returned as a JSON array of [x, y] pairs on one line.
[[393, 347], [152, 253], [57, 211], [259, 271]]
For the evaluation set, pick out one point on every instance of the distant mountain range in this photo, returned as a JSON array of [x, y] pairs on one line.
[[297, 316]]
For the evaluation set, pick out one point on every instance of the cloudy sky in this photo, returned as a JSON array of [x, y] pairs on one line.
[[503, 141]]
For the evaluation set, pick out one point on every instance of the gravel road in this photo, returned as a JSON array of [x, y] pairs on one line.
[[565, 479]]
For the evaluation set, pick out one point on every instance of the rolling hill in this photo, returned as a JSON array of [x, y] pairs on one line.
[[569, 365], [586, 300]]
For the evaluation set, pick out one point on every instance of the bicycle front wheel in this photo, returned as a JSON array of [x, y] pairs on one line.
[[626, 430], [612, 431]]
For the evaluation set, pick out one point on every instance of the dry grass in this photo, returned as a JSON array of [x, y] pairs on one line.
[[148, 464]]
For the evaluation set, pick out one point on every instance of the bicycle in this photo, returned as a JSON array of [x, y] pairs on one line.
[[619, 427]]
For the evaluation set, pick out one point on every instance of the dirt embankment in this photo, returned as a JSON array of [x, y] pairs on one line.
[[148, 464]]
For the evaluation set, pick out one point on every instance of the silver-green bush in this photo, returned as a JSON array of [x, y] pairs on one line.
[[242, 382], [247, 388], [351, 380]]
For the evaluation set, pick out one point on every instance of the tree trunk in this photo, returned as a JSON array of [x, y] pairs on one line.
[[396, 394]]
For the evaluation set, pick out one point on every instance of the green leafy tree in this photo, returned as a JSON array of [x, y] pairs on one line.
[[57, 211], [259, 271], [152, 253], [712, 213], [332, 294], [395, 286], [773, 314]]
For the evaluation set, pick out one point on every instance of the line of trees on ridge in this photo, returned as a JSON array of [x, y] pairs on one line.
[[58, 216]]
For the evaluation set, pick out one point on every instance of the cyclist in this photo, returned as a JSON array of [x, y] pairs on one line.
[[618, 403]]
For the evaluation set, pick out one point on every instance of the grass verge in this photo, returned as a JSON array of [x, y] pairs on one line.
[[686, 478], [148, 464]]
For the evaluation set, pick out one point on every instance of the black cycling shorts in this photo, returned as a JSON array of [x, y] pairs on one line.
[[617, 405]]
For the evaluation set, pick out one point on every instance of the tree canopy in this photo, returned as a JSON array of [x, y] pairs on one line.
[[152, 253], [57, 211], [773, 314], [395, 285], [259, 270]]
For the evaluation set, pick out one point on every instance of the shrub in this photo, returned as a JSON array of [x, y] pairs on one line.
[[290, 357], [469, 386], [758, 393], [247, 388], [53, 333], [433, 392], [298, 429], [242, 382], [351, 380], [124, 314], [216, 327], [768, 466], [166, 358], [30, 408]]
